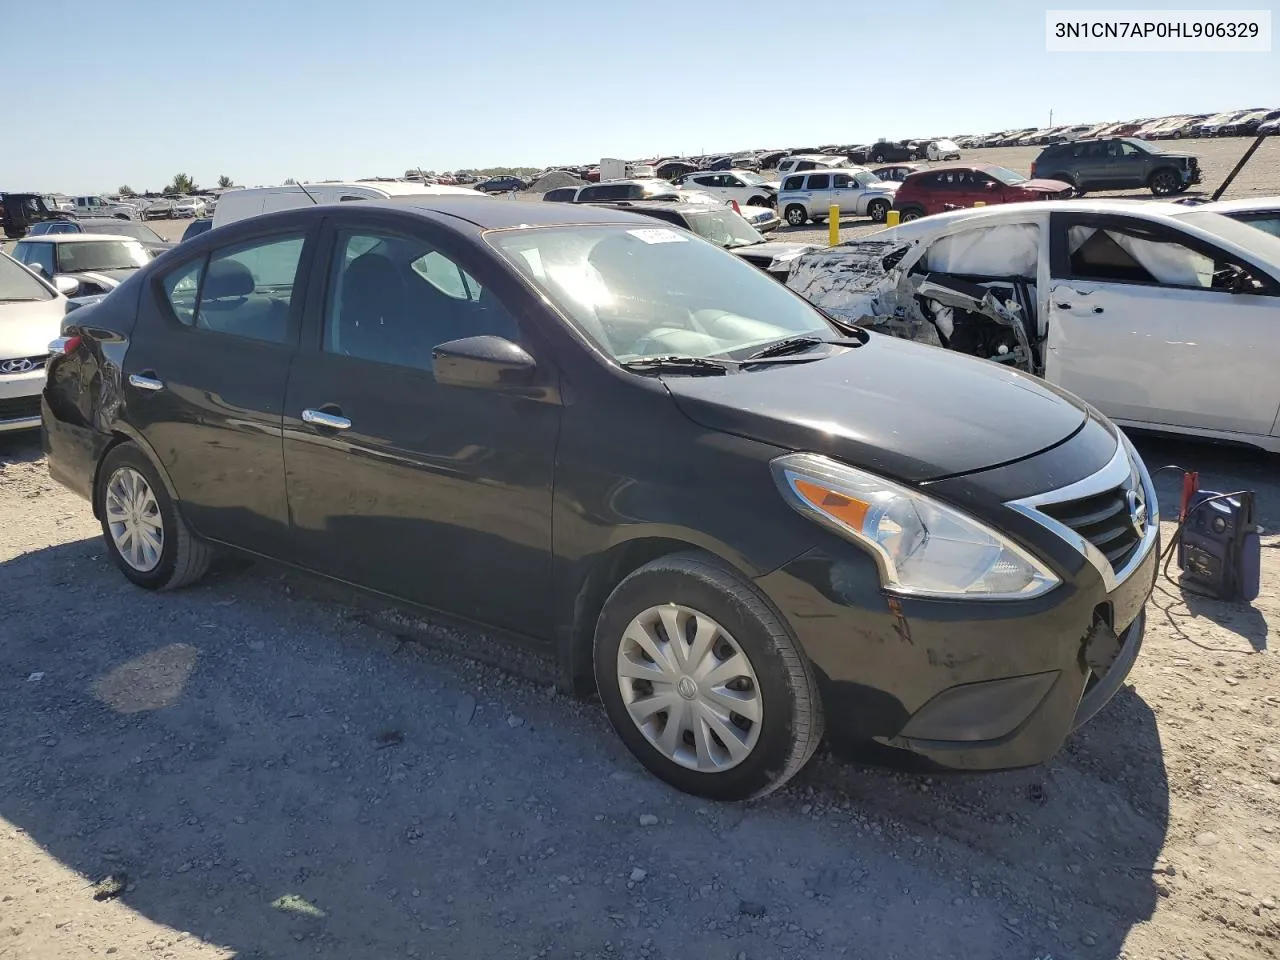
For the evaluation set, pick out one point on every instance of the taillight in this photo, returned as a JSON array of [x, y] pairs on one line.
[[64, 345], [1033, 169]]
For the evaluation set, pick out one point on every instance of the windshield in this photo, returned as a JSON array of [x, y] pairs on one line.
[[656, 291], [1005, 175], [1141, 144], [127, 229], [17, 283], [101, 255], [723, 227]]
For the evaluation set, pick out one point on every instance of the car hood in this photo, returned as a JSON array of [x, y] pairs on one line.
[[774, 248], [897, 408], [27, 328], [1039, 185], [113, 277], [1174, 154]]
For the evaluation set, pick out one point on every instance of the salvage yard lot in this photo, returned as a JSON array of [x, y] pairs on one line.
[[282, 771], [270, 766]]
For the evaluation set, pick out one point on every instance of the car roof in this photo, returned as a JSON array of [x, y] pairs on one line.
[[674, 205], [1241, 205], [75, 238], [490, 214]]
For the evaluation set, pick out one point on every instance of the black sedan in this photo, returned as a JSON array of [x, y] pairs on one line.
[[735, 518]]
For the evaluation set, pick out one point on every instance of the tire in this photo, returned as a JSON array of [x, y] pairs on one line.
[[1067, 178], [878, 210], [759, 202], [1164, 183], [121, 216], [797, 215], [878, 158], [695, 593], [911, 213], [182, 559]]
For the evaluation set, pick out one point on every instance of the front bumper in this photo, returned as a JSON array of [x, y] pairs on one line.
[[968, 685], [20, 400]]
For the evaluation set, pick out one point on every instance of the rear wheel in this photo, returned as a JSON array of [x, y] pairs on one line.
[[145, 535], [878, 158], [878, 210], [1164, 183], [797, 215], [703, 681], [911, 213]]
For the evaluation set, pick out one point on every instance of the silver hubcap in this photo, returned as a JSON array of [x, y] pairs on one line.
[[133, 517], [689, 688]]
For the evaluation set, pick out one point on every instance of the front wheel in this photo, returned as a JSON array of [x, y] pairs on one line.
[[878, 210], [703, 681], [759, 202], [911, 214], [878, 158], [797, 215], [1164, 183], [145, 535]]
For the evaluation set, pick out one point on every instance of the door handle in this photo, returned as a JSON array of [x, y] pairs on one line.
[[1097, 310], [144, 382], [1062, 306], [319, 418]]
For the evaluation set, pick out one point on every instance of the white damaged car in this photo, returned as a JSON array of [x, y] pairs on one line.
[[1163, 316], [31, 313]]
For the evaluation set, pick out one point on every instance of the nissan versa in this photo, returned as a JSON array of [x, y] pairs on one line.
[[737, 519]]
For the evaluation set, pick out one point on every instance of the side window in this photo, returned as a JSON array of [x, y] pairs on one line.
[[819, 181], [843, 180], [1118, 255], [397, 298], [181, 288], [1129, 150], [248, 289], [805, 165], [707, 181], [794, 183], [37, 255]]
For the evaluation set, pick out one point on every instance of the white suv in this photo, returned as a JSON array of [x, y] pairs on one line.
[[749, 189], [856, 190]]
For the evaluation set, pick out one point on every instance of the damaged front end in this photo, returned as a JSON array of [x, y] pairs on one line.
[[871, 284]]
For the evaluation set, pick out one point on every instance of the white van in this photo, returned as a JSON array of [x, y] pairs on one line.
[[235, 205]]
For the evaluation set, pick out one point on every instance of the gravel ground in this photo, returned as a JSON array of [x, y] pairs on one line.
[[263, 766], [268, 768]]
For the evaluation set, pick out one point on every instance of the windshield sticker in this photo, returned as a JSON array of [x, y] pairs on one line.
[[657, 235]]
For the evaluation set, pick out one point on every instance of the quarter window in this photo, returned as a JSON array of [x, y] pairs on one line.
[[392, 299], [794, 183], [182, 288], [819, 181]]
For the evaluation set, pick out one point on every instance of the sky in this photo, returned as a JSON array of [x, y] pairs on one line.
[[262, 90]]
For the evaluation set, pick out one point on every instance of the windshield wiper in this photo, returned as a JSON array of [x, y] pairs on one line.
[[783, 347], [690, 366]]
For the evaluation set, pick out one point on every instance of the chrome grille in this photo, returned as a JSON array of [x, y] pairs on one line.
[[1106, 520]]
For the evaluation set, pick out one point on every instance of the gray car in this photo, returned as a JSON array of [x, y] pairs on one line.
[[1117, 163]]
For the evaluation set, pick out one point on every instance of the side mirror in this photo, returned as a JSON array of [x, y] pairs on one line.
[[67, 286], [488, 362], [37, 268], [991, 184]]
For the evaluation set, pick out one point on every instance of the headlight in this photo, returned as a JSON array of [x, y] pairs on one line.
[[923, 547]]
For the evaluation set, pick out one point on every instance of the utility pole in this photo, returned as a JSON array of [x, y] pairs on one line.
[[1051, 116]]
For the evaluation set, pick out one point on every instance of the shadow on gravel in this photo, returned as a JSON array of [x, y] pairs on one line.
[[20, 447], [273, 776]]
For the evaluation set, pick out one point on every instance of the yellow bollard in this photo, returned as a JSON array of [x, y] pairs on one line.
[[892, 218], [980, 203], [833, 224]]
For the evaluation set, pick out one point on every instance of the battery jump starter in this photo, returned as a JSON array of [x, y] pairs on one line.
[[1218, 542]]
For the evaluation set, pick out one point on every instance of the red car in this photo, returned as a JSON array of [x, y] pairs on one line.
[[953, 187]]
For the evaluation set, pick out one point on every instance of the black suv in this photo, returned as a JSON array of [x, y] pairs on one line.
[[886, 151], [1117, 163]]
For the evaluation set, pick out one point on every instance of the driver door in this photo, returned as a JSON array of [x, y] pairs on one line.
[[1143, 324]]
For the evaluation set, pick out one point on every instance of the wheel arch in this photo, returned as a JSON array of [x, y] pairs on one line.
[[606, 571], [120, 434]]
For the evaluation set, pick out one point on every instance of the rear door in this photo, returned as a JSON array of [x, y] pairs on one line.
[[1143, 325], [205, 379], [437, 494]]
